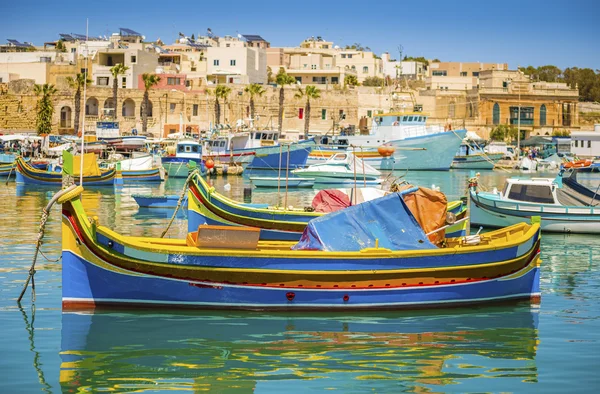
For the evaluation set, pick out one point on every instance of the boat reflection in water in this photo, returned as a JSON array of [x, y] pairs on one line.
[[246, 352]]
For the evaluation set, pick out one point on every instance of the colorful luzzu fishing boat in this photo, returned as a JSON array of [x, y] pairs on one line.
[[387, 263], [206, 206], [140, 169], [28, 175], [562, 208]]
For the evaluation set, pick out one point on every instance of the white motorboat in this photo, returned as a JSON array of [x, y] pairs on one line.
[[341, 168], [274, 182]]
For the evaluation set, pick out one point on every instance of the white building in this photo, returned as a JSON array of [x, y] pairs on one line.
[[404, 69], [236, 60], [586, 143]]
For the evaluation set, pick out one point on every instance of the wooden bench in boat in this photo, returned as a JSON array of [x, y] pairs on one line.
[[224, 237]]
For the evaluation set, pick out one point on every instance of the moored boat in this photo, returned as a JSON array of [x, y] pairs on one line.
[[561, 208], [277, 182], [341, 168], [151, 201], [474, 158], [93, 176], [389, 264], [187, 151]]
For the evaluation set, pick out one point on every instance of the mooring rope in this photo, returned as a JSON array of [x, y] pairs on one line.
[[38, 245], [180, 201]]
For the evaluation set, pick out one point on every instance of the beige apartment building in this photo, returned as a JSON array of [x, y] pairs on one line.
[[320, 62], [462, 69]]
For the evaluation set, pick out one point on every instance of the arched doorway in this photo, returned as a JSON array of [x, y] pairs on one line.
[[91, 106], [496, 114], [543, 115], [128, 108], [149, 109], [65, 117], [110, 107]]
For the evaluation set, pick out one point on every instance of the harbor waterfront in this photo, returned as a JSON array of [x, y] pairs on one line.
[[518, 347]]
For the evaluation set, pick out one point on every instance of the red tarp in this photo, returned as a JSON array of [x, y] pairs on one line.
[[330, 201]]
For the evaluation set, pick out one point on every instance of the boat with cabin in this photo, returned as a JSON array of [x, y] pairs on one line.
[[109, 133], [413, 145], [341, 168], [186, 151], [388, 263], [562, 208], [473, 157]]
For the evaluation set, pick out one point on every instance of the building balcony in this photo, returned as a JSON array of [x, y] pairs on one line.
[[574, 93]]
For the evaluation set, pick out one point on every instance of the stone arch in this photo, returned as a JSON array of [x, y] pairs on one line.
[[128, 108], [109, 107], [496, 114], [66, 115], [149, 109], [91, 106]]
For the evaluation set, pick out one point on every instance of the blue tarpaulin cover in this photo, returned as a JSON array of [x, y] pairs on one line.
[[387, 219]]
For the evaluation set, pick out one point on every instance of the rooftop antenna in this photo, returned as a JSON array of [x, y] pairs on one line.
[[399, 67], [85, 75]]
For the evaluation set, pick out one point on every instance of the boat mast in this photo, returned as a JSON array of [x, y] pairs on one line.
[[85, 75]]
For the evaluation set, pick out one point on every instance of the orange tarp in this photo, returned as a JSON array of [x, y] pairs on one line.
[[429, 208]]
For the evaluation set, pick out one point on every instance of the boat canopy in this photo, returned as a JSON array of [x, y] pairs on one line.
[[396, 119], [365, 226]]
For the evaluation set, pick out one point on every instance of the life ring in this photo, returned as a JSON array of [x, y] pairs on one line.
[[395, 123]]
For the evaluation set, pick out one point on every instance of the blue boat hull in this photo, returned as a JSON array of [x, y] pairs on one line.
[[159, 201], [273, 160], [84, 282], [151, 175]]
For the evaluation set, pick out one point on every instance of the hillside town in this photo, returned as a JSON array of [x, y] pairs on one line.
[[353, 83]]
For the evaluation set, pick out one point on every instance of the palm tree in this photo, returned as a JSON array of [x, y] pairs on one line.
[[254, 90], [77, 83], [45, 110], [223, 92], [116, 70], [282, 79], [149, 81], [310, 92]]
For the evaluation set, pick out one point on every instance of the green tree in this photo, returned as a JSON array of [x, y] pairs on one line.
[[78, 83], [310, 92], [417, 59], [45, 109], [116, 70], [150, 80], [282, 79], [503, 133], [270, 77], [436, 60], [373, 81], [192, 37], [60, 46], [254, 89], [561, 133], [350, 80], [221, 92]]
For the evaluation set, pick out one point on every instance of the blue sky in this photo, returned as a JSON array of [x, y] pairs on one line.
[[565, 33]]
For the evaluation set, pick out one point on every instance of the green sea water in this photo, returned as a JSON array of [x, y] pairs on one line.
[[553, 347]]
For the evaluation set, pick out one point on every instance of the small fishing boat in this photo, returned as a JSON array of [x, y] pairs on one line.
[[151, 201], [388, 263], [275, 182], [187, 151], [206, 206], [140, 169], [472, 157], [562, 208], [93, 176], [339, 169]]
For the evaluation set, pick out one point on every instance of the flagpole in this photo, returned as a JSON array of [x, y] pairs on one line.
[[85, 74]]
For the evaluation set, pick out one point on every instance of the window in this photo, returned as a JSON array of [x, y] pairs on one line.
[[313, 66], [531, 193], [0, 79], [232, 62], [172, 107], [463, 73], [305, 66], [335, 80], [343, 55], [589, 143], [342, 114], [173, 81], [323, 114], [526, 115], [496, 114], [45, 59], [195, 149], [369, 113], [439, 73], [322, 80], [299, 79], [349, 56], [404, 118], [543, 115], [133, 59], [73, 50], [102, 81], [124, 82], [188, 83], [300, 113], [216, 62], [227, 45], [365, 70], [195, 110], [576, 144], [475, 73], [353, 68]]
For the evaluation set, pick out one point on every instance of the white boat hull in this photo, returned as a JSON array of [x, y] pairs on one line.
[[274, 182]]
